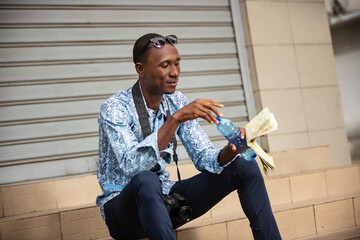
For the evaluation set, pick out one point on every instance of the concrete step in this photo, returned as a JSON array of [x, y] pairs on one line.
[[301, 160], [344, 234], [65, 208], [347, 234], [73, 192], [292, 191], [300, 221], [293, 223]]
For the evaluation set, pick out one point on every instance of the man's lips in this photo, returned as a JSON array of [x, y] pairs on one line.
[[172, 82]]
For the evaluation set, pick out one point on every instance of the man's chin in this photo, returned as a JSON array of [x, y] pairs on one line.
[[170, 91]]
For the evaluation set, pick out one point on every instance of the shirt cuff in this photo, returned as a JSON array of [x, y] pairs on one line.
[[216, 167], [237, 155], [152, 143]]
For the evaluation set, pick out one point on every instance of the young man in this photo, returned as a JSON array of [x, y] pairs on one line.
[[131, 168]]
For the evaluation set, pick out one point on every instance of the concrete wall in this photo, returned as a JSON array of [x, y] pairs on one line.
[[293, 74]]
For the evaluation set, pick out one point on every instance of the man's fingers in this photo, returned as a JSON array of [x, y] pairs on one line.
[[207, 106], [206, 114], [233, 147], [212, 106], [202, 108], [243, 132], [215, 103], [216, 111], [209, 102]]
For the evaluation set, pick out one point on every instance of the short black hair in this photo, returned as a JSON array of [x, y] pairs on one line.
[[139, 54]]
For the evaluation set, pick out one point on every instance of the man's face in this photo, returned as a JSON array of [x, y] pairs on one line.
[[161, 70]]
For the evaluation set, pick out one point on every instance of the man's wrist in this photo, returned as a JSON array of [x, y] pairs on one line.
[[175, 117], [226, 155]]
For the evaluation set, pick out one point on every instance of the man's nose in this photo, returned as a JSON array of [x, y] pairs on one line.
[[174, 71]]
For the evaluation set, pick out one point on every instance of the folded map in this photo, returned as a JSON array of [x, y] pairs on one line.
[[260, 125]]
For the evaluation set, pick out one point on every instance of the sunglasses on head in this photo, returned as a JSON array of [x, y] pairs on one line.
[[160, 42]]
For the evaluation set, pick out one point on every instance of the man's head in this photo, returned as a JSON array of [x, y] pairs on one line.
[[147, 41], [157, 62]]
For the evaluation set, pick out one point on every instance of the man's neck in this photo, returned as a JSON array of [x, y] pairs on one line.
[[152, 101]]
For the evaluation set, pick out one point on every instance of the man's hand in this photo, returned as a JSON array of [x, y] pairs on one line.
[[230, 151], [200, 108], [232, 147]]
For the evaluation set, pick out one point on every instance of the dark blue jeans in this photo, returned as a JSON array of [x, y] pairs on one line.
[[140, 211]]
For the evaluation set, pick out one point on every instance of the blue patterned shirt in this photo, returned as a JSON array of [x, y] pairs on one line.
[[123, 152]]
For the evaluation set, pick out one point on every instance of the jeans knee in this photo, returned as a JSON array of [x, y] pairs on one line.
[[253, 172], [247, 170], [146, 182]]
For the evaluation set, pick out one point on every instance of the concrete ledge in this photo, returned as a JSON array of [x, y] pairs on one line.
[[301, 160], [326, 219], [42, 228], [352, 233], [284, 190], [295, 190], [75, 192], [203, 221], [49, 195], [294, 220], [47, 212], [83, 223]]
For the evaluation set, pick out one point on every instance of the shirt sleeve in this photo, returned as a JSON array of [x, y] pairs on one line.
[[198, 145], [121, 144]]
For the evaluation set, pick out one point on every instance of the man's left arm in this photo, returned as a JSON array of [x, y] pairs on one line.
[[194, 139]]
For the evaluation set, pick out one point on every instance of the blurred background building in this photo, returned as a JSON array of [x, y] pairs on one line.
[[344, 19], [59, 60]]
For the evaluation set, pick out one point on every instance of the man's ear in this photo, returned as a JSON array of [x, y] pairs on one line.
[[139, 69]]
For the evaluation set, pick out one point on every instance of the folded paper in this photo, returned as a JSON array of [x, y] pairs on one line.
[[260, 125]]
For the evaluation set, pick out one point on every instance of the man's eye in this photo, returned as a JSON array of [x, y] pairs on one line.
[[164, 65]]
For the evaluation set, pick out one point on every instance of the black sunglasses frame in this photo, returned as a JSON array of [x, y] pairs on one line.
[[160, 42]]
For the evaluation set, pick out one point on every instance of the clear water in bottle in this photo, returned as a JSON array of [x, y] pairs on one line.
[[228, 129]]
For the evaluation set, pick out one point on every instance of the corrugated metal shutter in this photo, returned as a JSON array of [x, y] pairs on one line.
[[60, 60]]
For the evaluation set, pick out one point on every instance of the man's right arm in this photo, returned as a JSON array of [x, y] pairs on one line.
[[120, 143]]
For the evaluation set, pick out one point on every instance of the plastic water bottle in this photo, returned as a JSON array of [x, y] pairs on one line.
[[227, 128]]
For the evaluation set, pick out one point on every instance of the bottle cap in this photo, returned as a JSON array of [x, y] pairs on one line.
[[218, 118]]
